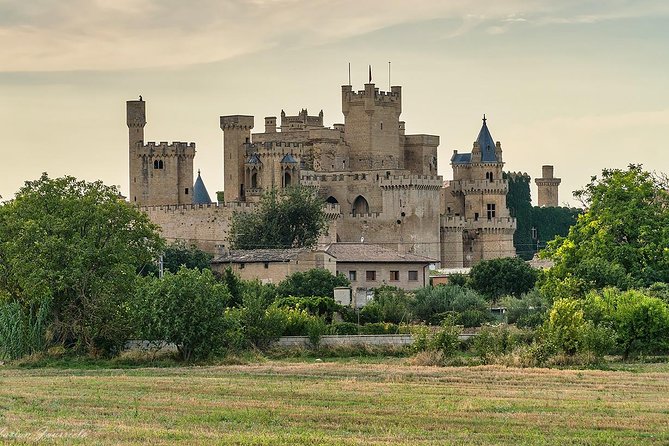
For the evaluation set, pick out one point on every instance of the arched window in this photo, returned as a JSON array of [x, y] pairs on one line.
[[489, 176], [155, 164], [286, 179], [360, 206], [331, 200], [254, 180]]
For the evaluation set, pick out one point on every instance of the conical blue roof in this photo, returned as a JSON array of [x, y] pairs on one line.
[[486, 144], [289, 159], [253, 159], [200, 194]]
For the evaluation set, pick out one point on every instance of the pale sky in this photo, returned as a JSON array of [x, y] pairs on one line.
[[578, 84]]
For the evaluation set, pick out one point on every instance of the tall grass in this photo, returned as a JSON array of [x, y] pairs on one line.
[[23, 331]]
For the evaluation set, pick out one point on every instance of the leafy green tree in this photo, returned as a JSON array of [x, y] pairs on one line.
[[287, 218], [641, 322], [178, 254], [623, 236], [530, 310], [394, 304], [518, 200], [321, 306], [434, 304], [500, 277], [314, 282], [188, 309], [75, 246], [534, 225]]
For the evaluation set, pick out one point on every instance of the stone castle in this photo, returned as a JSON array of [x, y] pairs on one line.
[[380, 185]]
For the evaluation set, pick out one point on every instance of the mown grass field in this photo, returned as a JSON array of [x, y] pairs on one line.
[[334, 403]]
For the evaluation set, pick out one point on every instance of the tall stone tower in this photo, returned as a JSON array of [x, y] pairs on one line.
[[236, 132], [372, 127], [547, 187], [136, 120], [160, 173], [476, 224]]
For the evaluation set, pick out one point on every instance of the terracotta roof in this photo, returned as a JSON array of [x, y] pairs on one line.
[[367, 252], [260, 255]]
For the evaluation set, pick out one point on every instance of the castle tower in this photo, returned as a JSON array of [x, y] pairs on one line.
[[236, 132], [136, 120], [160, 173], [547, 187], [372, 127], [475, 205]]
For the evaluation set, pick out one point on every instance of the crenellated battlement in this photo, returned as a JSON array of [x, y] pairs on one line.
[[371, 97], [466, 187], [237, 122], [432, 182], [271, 146], [165, 148], [370, 216]]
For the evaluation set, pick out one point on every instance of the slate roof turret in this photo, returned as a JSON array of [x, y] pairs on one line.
[[200, 194]]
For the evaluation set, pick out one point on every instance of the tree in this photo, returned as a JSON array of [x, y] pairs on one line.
[[518, 201], [534, 225], [622, 238], [288, 218], [500, 277], [178, 254], [314, 282], [188, 309], [640, 322], [74, 246]]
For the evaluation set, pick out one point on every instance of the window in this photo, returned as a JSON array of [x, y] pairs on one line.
[[394, 276], [186, 191], [413, 276], [490, 207], [476, 216], [489, 176], [266, 265], [241, 266], [352, 276], [158, 164], [370, 276]]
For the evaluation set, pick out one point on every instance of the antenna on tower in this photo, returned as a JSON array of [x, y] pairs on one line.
[[349, 73], [389, 84]]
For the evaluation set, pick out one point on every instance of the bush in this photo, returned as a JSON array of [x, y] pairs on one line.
[[474, 318], [433, 304], [261, 324], [370, 313], [23, 332], [188, 309], [315, 330], [378, 328], [447, 339], [344, 328], [314, 282], [316, 306], [565, 325], [421, 338], [528, 311], [297, 322], [492, 342], [394, 304], [641, 322]]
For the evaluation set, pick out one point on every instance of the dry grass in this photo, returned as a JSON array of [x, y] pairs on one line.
[[279, 403]]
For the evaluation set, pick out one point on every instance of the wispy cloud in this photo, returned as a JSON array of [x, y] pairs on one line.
[[47, 35]]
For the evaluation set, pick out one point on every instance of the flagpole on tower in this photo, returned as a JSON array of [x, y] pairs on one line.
[[389, 84], [370, 74], [349, 73]]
